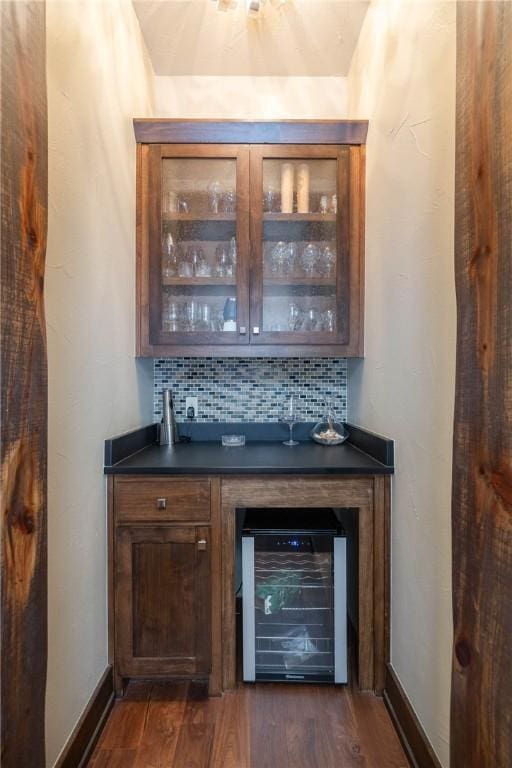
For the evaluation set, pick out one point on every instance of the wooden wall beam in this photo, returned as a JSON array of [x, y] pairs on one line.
[[481, 704], [24, 181]]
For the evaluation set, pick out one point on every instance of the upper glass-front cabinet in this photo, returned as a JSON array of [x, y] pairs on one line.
[[249, 249]]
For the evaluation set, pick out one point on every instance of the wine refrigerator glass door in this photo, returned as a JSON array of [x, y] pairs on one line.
[[294, 609]]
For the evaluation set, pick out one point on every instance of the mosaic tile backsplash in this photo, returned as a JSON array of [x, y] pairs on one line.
[[242, 389]]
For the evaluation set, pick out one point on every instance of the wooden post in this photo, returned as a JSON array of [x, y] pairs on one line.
[[481, 705], [24, 181]]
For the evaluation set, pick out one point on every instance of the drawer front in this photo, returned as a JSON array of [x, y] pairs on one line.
[[158, 500]]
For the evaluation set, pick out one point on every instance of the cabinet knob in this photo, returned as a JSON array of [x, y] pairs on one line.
[[256, 330], [201, 545], [242, 330], [161, 503]]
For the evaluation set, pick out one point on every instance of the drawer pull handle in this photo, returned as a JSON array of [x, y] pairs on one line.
[[201, 545], [161, 503]]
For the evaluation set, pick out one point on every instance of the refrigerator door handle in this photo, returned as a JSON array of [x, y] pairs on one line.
[[249, 628]]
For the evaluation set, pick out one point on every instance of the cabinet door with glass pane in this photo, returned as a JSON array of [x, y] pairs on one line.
[[303, 265], [198, 229]]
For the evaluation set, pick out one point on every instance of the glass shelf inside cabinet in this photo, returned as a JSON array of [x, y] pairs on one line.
[[199, 217], [199, 248], [198, 281], [299, 217], [300, 259]]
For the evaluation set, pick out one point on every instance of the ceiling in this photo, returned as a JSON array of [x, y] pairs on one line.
[[300, 38]]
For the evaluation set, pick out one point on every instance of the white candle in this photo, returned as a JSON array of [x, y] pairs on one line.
[[287, 188], [303, 188]]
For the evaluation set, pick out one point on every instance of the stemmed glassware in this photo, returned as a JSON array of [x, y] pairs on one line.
[[214, 196], [228, 201], [309, 259], [169, 256], [270, 200], [294, 316], [224, 267], [328, 261], [290, 416], [312, 320]]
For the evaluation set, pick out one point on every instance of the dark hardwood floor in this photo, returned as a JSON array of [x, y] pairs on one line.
[[266, 725]]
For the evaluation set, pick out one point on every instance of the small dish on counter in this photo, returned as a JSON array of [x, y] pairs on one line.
[[233, 441]]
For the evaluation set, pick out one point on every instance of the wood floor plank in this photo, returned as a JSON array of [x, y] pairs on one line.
[[113, 758], [338, 728], [301, 737], [379, 742], [270, 725], [199, 708], [125, 725], [231, 741], [339, 746], [195, 740], [268, 747], [162, 726], [293, 701], [194, 746]]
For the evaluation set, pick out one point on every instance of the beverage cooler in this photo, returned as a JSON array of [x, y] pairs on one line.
[[294, 596]]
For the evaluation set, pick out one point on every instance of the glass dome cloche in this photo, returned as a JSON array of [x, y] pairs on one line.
[[328, 431]]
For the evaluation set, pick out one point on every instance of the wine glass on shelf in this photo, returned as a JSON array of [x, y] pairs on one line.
[[290, 416], [309, 259], [214, 196], [294, 315]]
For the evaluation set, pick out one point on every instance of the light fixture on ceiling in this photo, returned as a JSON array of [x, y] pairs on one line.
[[254, 7], [226, 5]]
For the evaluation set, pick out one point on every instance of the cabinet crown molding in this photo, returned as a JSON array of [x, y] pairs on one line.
[[178, 131]]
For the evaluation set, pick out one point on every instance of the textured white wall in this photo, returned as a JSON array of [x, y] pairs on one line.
[[251, 98], [98, 79], [403, 79], [303, 37]]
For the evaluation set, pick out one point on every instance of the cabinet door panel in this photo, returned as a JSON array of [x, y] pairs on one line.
[[300, 222], [163, 600], [198, 244]]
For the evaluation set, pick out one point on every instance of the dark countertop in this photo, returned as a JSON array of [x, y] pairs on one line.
[[138, 454]]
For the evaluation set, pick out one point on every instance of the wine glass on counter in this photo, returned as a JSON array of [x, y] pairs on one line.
[[290, 416]]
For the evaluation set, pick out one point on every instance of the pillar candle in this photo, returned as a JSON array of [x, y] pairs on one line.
[[287, 188], [303, 188]]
